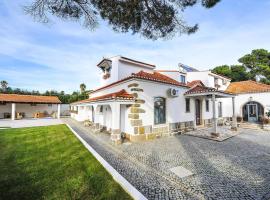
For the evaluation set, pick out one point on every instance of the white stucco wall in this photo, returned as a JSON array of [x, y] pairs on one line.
[[176, 75], [208, 79], [262, 98], [120, 70]]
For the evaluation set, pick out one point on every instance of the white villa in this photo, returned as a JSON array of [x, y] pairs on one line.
[[137, 99]]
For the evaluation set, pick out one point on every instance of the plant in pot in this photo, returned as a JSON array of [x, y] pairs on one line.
[[239, 119], [266, 121]]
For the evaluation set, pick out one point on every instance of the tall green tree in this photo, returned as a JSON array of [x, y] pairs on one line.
[[254, 66], [4, 85], [258, 64], [224, 70], [82, 88], [152, 19]]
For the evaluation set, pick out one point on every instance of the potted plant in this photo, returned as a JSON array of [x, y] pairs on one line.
[[266, 121], [239, 119]]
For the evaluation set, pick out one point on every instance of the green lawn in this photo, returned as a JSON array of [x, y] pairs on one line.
[[50, 163]]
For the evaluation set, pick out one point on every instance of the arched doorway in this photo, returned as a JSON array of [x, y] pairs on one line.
[[253, 111]]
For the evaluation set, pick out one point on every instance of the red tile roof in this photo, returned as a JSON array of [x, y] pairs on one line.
[[195, 83], [18, 98], [200, 89], [122, 94], [155, 76], [247, 87]]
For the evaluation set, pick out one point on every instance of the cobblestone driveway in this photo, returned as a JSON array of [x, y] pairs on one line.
[[238, 168]]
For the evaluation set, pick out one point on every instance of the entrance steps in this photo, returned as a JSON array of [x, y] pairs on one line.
[[255, 126]]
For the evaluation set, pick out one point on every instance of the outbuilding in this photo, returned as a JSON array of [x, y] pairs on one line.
[[16, 106]]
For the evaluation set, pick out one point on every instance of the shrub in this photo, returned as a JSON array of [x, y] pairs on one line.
[[265, 120]]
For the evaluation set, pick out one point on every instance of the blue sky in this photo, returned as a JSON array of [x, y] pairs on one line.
[[61, 55]]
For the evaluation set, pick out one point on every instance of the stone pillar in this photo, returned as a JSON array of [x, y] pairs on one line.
[[13, 111], [116, 132], [58, 111], [234, 120], [214, 132]]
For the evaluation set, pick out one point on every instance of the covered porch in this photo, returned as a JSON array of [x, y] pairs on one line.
[[201, 95], [105, 113], [17, 107]]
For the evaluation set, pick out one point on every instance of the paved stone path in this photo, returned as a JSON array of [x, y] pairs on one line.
[[238, 168]]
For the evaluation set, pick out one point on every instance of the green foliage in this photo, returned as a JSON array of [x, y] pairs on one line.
[[152, 19], [64, 98], [258, 62], [4, 85], [253, 66], [50, 163]]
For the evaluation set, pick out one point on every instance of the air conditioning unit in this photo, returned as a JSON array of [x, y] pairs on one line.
[[174, 92]]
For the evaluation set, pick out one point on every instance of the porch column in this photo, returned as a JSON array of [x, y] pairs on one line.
[[214, 115], [234, 121], [195, 120], [58, 110], [13, 111], [115, 135]]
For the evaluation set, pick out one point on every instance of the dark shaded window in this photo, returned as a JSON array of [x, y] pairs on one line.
[[101, 109], [207, 105], [159, 110], [187, 105]]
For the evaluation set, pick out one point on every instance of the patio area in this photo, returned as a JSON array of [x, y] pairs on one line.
[[31, 122]]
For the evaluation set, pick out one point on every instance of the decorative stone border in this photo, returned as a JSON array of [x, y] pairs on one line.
[[130, 189]]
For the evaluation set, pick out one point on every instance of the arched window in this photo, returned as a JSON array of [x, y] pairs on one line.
[[159, 110]]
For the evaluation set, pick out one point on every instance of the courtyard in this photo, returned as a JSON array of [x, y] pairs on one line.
[[237, 168]]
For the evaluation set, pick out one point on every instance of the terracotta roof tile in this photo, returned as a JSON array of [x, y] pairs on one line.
[[122, 94], [195, 83], [247, 87], [18, 98], [203, 89], [158, 77], [155, 76], [200, 89]]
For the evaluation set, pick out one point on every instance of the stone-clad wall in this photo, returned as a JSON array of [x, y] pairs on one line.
[[146, 132]]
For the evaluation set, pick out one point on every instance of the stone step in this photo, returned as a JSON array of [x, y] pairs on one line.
[[250, 126]]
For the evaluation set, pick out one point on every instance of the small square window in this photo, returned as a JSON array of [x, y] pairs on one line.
[[33, 104], [49, 105]]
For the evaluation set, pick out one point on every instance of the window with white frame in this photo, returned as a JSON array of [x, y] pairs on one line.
[[159, 110]]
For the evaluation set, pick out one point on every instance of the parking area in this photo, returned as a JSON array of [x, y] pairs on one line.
[[237, 168], [31, 122]]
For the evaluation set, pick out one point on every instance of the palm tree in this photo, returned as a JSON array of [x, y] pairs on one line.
[[82, 87], [4, 85]]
